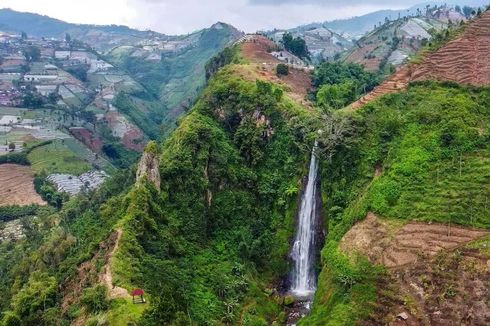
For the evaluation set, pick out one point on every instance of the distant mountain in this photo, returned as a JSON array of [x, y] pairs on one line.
[[99, 36], [322, 42], [356, 27], [171, 68], [394, 41]]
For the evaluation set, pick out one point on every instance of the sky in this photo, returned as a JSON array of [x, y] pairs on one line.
[[185, 16]]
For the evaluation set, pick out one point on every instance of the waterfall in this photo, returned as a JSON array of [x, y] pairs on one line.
[[303, 252]]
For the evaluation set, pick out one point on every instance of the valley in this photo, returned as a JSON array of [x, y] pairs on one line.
[[318, 175]]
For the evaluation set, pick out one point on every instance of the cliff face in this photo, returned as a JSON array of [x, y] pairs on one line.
[[148, 166]]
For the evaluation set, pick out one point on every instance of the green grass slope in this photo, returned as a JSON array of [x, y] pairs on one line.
[[431, 144], [179, 77], [210, 244]]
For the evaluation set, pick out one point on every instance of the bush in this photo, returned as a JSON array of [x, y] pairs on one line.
[[8, 213], [95, 299], [282, 69], [11, 319]]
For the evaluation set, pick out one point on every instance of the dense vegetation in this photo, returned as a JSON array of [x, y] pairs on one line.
[[34, 269], [431, 142], [339, 84], [218, 232], [295, 45]]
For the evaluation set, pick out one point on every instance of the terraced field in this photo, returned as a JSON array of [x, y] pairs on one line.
[[465, 60], [57, 158], [17, 187]]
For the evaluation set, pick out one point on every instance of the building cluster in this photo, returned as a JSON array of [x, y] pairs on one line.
[[50, 68]]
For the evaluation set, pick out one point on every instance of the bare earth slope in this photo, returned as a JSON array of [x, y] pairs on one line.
[[17, 187], [465, 60], [434, 276], [256, 50]]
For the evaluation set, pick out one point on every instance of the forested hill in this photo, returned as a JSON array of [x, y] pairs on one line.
[[205, 229]]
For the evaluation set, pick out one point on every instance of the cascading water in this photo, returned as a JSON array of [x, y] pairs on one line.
[[303, 253]]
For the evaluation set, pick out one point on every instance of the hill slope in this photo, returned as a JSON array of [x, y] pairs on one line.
[[407, 202], [99, 36], [463, 60], [175, 75]]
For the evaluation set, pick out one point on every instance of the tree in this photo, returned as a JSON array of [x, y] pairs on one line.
[[458, 9], [32, 53], [282, 69], [67, 38], [336, 131], [12, 146], [296, 46], [467, 11], [23, 36], [336, 96]]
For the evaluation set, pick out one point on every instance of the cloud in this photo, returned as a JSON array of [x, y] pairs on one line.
[[334, 2], [185, 16], [182, 16]]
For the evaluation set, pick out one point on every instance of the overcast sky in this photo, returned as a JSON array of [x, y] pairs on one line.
[[183, 16]]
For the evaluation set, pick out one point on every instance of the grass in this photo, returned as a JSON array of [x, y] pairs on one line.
[[57, 158], [123, 312], [432, 143]]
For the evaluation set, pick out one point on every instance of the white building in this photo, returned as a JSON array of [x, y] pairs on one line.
[[45, 90], [39, 78], [62, 54]]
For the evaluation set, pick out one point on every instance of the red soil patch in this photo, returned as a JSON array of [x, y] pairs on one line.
[[133, 138], [360, 56], [434, 277], [450, 289], [465, 60], [87, 137], [297, 83], [17, 187]]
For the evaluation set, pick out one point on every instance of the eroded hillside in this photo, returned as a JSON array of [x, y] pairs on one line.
[[465, 60]]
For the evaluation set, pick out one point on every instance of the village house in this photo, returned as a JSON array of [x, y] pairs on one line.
[[46, 90], [10, 98], [99, 65], [62, 55], [39, 78]]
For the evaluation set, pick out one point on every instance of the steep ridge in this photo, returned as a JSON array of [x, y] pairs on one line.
[[256, 49], [465, 60]]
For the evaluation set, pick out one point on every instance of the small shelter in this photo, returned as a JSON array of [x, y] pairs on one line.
[[138, 293]]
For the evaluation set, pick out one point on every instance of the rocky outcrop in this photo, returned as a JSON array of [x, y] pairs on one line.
[[148, 166]]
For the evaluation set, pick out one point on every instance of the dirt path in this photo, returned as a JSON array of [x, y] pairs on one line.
[[106, 276], [86, 274]]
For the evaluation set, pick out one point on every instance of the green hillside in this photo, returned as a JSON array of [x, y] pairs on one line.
[[179, 76], [431, 143], [209, 246]]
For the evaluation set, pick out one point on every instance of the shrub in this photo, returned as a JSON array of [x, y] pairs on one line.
[[282, 69], [95, 299]]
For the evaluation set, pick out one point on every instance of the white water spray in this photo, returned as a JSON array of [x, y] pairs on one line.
[[303, 253]]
